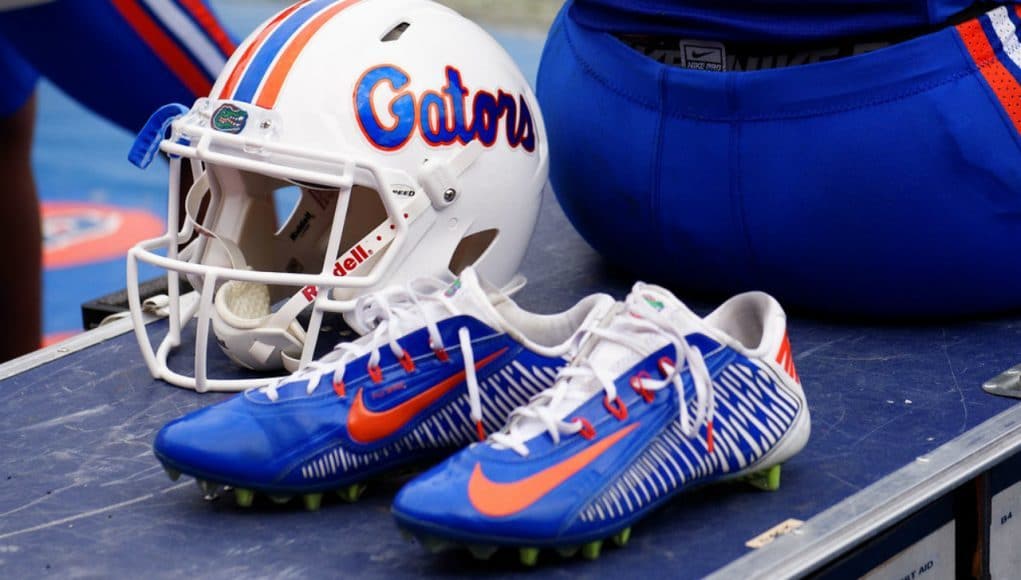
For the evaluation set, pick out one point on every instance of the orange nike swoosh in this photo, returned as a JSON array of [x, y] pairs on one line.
[[497, 500], [365, 426]]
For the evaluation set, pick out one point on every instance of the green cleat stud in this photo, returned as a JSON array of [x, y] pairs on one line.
[[244, 497], [590, 551], [434, 544], [766, 480], [482, 552], [568, 552], [280, 499], [313, 501], [173, 474], [529, 556], [352, 492], [622, 538]]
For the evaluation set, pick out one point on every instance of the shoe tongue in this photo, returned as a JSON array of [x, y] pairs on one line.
[[470, 295], [646, 302], [655, 305], [465, 295]]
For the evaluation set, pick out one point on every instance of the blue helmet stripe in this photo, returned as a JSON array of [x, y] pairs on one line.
[[263, 61]]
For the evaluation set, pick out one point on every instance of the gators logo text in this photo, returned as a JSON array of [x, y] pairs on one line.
[[442, 118], [230, 119]]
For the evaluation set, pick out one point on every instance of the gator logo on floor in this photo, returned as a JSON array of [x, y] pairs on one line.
[[230, 119], [75, 234]]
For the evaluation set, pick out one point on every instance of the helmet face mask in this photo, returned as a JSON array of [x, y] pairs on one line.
[[346, 182], [244, 255]]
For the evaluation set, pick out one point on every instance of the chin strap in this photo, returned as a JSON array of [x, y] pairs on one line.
[[360, 258], [192, 207], [247, 329]]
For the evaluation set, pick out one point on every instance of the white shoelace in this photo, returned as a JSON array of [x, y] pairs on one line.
[[390, 313], [569, 390]]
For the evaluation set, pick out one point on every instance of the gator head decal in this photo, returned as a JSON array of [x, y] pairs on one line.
[[230, 119]]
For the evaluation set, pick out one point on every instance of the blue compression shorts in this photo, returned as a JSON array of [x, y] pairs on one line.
[[883, 184], [122, 59]]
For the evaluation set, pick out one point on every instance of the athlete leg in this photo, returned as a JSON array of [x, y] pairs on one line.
[[21, 236], [123, 59], [20, 228]]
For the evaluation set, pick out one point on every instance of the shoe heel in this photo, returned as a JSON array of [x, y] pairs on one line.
[[766, 480]]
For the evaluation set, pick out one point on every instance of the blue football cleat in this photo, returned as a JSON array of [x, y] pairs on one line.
[[438, 369], [657, 401]]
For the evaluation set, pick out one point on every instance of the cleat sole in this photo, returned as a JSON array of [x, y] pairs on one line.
[[766, 480], [313, 501], [244, 497], [529, 556]]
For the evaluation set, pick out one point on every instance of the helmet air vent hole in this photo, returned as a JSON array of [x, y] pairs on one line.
[[395, 32], [471, 249]]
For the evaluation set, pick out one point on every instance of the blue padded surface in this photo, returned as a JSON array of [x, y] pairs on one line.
[[81, 494]]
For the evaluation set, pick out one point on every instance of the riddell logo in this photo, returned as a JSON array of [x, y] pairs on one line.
[[303, 226], [342, 268]]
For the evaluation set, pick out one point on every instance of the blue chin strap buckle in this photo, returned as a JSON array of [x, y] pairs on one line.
[[147, 144]]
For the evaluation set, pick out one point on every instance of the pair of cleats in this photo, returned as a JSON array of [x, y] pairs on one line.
[[560, 431]]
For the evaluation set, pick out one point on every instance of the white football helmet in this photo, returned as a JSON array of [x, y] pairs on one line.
[[404, 141]]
